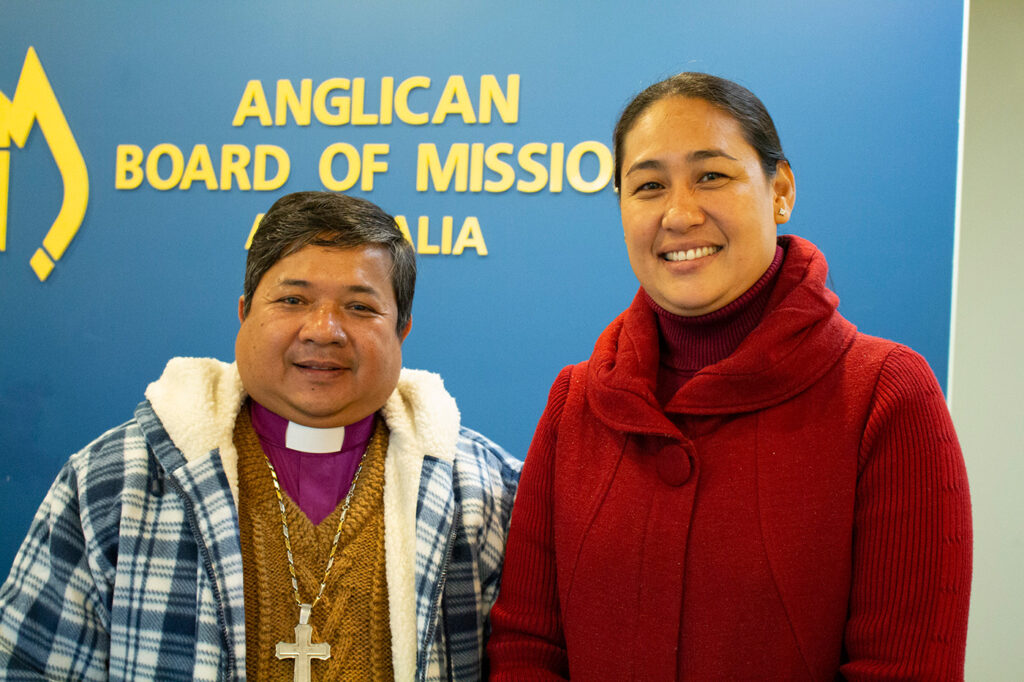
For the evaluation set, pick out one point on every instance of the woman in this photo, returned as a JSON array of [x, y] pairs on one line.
[[737, 484]]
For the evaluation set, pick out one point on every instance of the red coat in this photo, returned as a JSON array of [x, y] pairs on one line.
[[798, 510]]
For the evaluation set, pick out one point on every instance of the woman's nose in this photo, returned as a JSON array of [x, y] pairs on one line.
[[682, 210]]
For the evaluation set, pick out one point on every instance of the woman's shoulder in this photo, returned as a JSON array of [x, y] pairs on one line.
[[892, 359], [559, 392], [903, 387]]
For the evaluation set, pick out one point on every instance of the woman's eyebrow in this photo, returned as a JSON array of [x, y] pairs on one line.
[[702, 154], [697, 155], [646, 164]]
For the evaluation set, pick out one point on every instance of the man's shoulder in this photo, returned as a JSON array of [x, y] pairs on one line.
[[428, 421], [91, 486], [176, 400], [475, 445], [114, 444], [480, 459]]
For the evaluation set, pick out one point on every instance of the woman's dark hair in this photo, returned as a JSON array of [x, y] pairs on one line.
[[734, 99], [335, 221]]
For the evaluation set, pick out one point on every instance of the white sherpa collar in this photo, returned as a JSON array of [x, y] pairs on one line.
[[423, 421], [420, 411], [197, 400]]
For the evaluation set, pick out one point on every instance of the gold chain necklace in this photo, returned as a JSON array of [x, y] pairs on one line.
[[303, 650]]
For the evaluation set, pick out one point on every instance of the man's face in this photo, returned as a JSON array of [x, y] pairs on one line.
[[319, 346]]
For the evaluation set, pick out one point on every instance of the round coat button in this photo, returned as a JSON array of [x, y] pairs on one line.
[[674, 462]]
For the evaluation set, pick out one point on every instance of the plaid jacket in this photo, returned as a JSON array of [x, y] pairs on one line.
[[132, 567]]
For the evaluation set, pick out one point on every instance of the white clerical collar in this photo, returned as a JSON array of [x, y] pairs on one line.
[[317, 441]]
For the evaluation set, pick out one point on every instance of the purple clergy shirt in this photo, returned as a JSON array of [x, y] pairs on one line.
[[316, 481]]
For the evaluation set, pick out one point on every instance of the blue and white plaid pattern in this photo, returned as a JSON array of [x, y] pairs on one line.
[[132, 567], [462, 520], [106, 585]]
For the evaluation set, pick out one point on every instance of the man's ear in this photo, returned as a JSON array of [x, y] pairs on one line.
[[241, 309], [405, 332]]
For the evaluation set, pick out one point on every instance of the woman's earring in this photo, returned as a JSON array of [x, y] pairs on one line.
[[782, 211]]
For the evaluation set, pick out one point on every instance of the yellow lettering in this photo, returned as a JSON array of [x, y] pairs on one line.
[[405, 114], [535, 167], [360, 118], [604, 171], [526, 162], [327, 163], [343, 101], [428, 164], [371, 165], [492, 96], [5, 178], [199, 167], [260, 181], [128, 167], [502, 168], [446, 234], [233, 161], [387, 96], [470, 237], [252, 230], [423, 237], [287, 100], [403, 226], [454, 100], [340, 103], [177, 160], [166, 168], [253, 104], [557, 166], [476, 167]]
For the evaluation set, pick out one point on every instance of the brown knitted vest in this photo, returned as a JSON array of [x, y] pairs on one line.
[[352, 615]]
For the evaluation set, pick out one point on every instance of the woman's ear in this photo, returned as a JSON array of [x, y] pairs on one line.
[[784, 188]]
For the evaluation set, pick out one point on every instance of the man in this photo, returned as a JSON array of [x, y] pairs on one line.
[[312, 509]]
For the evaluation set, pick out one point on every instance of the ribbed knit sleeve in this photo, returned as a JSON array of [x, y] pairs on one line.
[[526, 641], [912, 535]]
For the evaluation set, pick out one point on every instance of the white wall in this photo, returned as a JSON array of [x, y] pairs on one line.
[[988, 353]]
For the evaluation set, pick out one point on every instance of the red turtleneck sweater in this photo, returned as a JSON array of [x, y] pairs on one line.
[[689, 344]]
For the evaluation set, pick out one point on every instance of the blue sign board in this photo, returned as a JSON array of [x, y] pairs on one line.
[[139, 142]]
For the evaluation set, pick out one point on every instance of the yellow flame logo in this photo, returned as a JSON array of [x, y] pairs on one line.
[[33, 102]]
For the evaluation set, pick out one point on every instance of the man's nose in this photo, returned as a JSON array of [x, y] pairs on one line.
[[324, 324]]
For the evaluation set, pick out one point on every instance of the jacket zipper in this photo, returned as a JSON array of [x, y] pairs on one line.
[[208, 565], [435, 602]]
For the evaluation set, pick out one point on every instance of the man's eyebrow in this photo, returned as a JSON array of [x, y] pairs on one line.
[[362, 289], [352, 288], [699, 155]]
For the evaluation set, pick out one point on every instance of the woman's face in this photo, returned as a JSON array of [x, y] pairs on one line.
[[698, 212]]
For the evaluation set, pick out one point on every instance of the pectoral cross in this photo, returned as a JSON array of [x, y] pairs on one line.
[[302, 650]]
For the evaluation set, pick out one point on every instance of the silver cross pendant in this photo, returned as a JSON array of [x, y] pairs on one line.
[[302, 650]]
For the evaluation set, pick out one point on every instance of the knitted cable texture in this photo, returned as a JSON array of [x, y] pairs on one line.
[[352, 616]]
